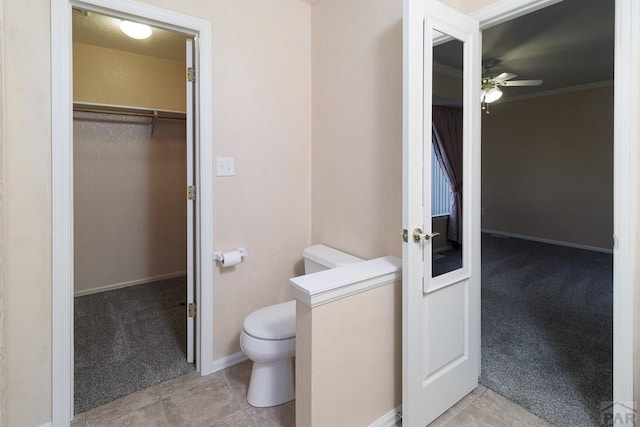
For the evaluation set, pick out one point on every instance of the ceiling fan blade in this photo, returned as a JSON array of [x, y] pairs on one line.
[[522, 83], [504, 77]]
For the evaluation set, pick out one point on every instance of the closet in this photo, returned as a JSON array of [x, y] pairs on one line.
[[130, 215]]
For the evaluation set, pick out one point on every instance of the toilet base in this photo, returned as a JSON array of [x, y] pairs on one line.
[[272, 383]]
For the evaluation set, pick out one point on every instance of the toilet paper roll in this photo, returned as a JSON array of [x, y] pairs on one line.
[[231, 258]]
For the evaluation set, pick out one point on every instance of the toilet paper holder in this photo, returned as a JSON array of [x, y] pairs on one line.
[[217, 256]]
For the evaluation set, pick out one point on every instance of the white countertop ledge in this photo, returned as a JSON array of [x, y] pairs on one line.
[[330, 285]]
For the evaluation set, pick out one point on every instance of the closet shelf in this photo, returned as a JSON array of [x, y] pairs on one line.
[[128, 111], [153, 114]]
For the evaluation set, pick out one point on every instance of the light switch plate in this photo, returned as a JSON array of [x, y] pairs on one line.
[[225, 166]]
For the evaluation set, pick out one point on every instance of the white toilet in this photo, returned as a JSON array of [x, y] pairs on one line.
[[269, 336]]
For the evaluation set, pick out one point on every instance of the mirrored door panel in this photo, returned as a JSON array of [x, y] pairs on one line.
[[447, 154]]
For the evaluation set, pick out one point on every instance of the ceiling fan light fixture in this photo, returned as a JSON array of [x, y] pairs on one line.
[[491, 95], [135, 30]]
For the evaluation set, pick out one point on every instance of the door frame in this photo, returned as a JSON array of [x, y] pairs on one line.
[[62, 185], [626, 139]]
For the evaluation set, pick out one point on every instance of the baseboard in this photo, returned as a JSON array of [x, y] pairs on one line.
[[549, 241], [226, 362], [389, 419], [130, 283], [46, 424]]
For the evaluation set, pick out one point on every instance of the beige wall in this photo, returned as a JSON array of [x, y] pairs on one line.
[[107, 76], [129, 200], [262, 117], [349, 359], [304, 365], [357, 125], [27, 214], [547, 167]]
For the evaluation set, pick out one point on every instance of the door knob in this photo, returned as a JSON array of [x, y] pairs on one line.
[[418, 235]]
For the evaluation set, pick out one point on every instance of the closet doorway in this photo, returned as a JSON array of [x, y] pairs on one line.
[[62, 349], [134, 216]]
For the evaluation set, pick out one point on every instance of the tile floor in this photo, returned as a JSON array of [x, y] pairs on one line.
[[484, 408], [219, 400]]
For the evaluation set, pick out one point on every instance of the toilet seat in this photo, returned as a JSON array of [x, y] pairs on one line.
[[272, 323], [262, 350]]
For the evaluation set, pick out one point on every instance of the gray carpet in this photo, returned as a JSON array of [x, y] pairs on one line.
[[547, 328], [127, 340], [446, 261]]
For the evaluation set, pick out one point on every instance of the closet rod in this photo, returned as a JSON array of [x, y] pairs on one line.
[[128, 111]]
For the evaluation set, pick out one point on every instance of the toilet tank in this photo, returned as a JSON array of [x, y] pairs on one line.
[[321, 257]]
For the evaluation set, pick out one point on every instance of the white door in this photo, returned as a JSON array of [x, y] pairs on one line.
[[191, 202], [441, 299]]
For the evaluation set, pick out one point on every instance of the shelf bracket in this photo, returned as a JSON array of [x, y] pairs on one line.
[[154, 120]]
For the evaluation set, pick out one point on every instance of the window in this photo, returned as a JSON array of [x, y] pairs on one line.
[[440, 188]]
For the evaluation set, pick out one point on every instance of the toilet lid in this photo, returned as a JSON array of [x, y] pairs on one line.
[[275, 322]]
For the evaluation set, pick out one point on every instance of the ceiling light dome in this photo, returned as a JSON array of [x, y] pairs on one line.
[[135, 30], [491, 95]]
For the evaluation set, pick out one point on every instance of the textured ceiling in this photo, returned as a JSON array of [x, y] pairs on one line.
[[101, 30], [568, 44]]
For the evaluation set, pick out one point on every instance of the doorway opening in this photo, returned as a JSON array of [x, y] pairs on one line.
[[547, 212], [132, 226], [548, 206], [63, 194]]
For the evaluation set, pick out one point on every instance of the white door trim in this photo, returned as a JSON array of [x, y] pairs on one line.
[[62, 185], [626, 139], [625, 213], [191, 205]]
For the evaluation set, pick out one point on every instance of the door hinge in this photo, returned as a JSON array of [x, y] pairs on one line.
[[191, 74], [191, 192], [191, 308], [405, 236]]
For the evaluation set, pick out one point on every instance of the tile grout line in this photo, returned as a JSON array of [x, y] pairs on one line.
[[224, 378], [242, 404], [242, 407]]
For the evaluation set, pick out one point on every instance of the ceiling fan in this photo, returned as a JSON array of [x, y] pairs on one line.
[[491, 91]]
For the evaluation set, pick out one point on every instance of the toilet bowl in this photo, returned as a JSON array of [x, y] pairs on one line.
[[268, 339], [268, 336]]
